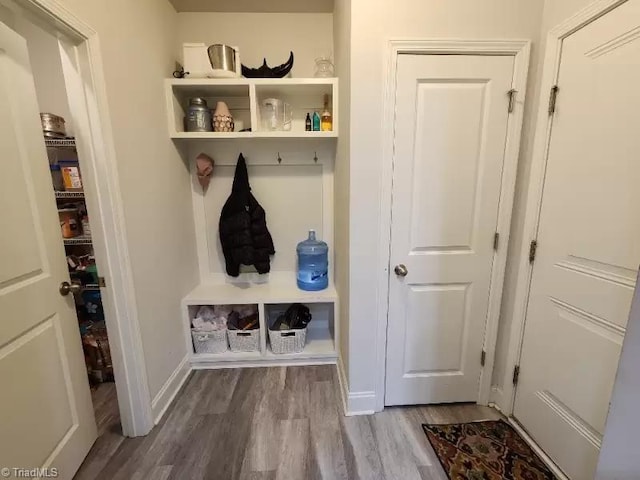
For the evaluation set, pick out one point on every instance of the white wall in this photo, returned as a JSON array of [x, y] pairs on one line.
[[554, 12], [263, 35], [342, 48], [619, 451], [373, 23], [137, 44]]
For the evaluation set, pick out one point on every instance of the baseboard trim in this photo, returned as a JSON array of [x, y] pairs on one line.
[[354, 403], [536, 448], [496, 399], [170, 389], [344, 389]]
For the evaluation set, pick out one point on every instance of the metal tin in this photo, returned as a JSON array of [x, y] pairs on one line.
[[198, 116], [222, 57], [52, 125]]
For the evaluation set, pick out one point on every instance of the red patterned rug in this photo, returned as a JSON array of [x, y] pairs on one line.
[[490, 450]]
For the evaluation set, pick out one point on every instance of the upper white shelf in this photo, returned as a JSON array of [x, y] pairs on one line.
[[244, 97]]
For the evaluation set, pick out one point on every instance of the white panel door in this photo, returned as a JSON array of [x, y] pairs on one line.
[[46, 417], [589, 244], [450, 131]]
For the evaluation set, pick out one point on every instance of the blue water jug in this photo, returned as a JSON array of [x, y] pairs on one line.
[[313, 263]]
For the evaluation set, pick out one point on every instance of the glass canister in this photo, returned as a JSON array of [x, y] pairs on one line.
[[313, 263], [324, 68], [198, 116]]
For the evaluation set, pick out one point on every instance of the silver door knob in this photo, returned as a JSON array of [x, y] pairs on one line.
[[66, 288], [401, 270]]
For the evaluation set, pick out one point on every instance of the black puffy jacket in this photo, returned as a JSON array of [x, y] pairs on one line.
[[244, 235]]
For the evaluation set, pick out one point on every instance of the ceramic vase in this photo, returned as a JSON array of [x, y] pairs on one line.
[[222, 119]]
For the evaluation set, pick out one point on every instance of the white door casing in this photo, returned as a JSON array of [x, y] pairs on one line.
[[450, 133], [588, 243], [46, 416]]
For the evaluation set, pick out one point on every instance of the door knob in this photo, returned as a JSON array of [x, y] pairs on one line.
[[401, 270], [66, 288]]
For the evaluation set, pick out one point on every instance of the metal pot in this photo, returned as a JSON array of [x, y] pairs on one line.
[[52, 125], [225, 60]]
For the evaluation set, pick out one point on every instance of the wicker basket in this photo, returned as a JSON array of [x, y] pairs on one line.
[[287, 341], [209, 342], [244, 340]]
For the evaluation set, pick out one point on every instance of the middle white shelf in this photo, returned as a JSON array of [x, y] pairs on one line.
[[244, 96]]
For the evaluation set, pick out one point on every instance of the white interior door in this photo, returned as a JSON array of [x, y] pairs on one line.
[[589, 244], [46, 417], [450, 132]]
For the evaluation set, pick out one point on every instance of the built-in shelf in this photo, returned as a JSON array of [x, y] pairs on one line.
[[272, 299], [244, 97], [78, 195], [270, 292], [82, 240], [249, 135]]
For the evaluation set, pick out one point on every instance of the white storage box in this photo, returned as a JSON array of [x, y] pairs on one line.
[[244, 340], [209, 342], [287, 341]]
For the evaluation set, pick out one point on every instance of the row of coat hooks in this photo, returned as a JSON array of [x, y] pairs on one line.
[[315, 157]]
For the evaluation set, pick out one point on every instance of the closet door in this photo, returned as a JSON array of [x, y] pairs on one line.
[[450, 132], [46, 417], [588, 244]]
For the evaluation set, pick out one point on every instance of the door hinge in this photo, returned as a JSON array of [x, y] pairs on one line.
[[483, 358], [512, 99], [496, 241], [533, 248], [101, 282], [553, 96], [516, 374]]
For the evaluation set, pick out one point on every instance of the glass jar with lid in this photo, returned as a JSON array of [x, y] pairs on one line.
[[199, 118]]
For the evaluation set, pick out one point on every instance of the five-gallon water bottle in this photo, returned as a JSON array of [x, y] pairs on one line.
[[313, 263]]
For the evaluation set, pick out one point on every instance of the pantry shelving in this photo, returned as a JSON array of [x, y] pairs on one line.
[[244, 96], [81, 240], [71, 195]]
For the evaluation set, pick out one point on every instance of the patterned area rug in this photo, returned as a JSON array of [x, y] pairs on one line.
[[490, 450]]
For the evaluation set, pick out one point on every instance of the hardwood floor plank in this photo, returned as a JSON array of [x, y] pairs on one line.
[[265, 435], [326, 440], [361, 452], [394, 448], [295, 397], [294, 450]]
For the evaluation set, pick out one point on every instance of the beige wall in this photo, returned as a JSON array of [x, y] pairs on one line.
[[263, 35], [554, 12], [373, 23], [137, 44], [342, 46]]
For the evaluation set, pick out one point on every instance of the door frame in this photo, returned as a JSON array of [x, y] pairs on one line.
[[520, 50], [505, 399], [85, 82]]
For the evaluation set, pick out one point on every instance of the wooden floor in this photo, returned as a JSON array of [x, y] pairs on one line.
[[274, 424]]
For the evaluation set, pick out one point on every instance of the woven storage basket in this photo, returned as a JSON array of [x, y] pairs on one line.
[[244, 340], [287, 341], [209, 342]]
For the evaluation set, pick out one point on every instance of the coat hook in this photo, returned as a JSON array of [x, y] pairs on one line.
[[315, 157], [279, 158]]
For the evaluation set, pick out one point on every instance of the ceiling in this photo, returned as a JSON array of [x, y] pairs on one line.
[[261, 6]]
